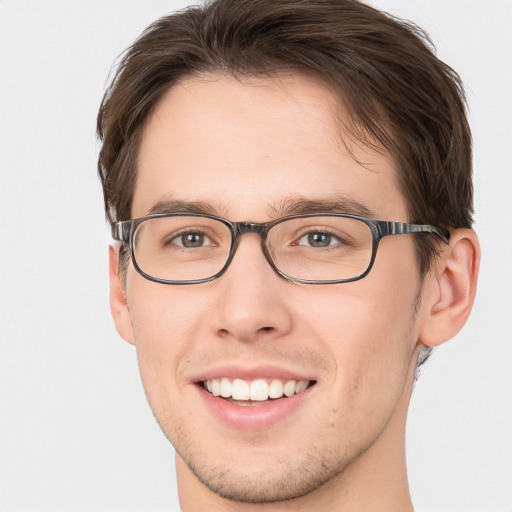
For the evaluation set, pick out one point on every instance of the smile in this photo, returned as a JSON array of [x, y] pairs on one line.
[[259, 390]]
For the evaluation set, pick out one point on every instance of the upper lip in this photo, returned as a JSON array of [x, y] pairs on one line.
[[251, 373]]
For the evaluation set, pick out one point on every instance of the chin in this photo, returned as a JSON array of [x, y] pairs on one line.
[[266, 482]]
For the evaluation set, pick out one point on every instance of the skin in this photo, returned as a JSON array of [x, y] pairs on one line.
[[249, 149]]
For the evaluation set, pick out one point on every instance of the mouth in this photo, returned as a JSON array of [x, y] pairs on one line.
[[254, 392]]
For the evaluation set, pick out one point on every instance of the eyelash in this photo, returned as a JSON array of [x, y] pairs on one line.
[[171, 240]]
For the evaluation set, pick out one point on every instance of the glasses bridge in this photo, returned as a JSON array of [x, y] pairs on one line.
[[240, 228]]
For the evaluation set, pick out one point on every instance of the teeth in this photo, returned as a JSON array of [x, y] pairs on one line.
[[240, 390], [226, 388], [289, 388], [275, 389], [257, 390], [301, 386], [215, 385]]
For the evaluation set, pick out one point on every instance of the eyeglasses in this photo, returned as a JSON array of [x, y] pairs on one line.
[[311, 249]]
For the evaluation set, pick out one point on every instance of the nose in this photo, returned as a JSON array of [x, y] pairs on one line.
[[251, 300]]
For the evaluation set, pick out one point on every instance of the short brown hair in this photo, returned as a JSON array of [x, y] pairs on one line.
[[398, 94]]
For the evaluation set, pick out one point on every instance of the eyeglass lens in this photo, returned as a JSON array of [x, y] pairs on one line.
[[183, 248]]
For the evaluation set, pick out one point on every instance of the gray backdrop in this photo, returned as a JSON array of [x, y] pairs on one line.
[[75, 431]]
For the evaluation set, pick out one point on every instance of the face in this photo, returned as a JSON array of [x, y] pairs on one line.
[[255, 151]]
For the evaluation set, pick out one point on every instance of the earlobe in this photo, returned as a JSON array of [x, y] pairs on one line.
[[118, 304], [451, 288]]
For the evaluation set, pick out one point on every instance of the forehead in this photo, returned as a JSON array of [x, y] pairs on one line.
[[249, 147]]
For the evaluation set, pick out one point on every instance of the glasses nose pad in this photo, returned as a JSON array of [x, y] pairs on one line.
[[267, 251], [265, 247], [262, 230]]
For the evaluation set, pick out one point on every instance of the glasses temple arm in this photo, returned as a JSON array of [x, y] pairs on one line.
[[402, 228]]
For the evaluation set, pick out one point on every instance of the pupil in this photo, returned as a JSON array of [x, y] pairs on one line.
[[193, 240], [319, 239]]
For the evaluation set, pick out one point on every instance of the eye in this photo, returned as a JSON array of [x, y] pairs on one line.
[[318, 239], [191, 240]]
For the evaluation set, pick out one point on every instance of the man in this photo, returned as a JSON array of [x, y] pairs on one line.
[[290, 186]]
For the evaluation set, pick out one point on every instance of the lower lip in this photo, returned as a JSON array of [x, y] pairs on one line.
[[253, 417]]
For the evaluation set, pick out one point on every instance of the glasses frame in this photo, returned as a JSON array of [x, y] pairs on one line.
[[124, 232]]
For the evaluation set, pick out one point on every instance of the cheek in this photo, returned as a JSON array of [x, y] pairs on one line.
[[365, 330], [163, 326], [372, 335], [162, 317]]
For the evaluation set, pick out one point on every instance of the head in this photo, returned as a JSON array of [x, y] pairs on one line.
[[247, 108]]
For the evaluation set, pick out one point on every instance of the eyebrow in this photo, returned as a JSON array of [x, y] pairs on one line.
[[296, 205], [337, 204], [176, 206]]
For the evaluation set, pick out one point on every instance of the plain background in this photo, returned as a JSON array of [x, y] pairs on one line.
[[76, 433]]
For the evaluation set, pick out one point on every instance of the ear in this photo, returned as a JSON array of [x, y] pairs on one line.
[[450, 289], [118, 304]]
